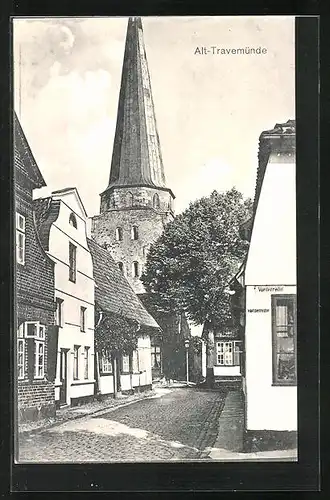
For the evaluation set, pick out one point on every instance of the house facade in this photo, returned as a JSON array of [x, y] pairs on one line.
[[36, 335], [119, 370], [269, 283], [62, 222]]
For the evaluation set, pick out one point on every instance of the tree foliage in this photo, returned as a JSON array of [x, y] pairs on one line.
[[191, 264], [115, 333]]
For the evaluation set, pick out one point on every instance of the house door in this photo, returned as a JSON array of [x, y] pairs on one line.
[[63, 376]]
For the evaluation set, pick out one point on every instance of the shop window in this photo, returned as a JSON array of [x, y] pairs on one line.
[[72, 262], [284, 339], [106, 362], [73, 220], [20, 238]]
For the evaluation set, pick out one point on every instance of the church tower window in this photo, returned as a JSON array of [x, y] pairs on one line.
[[119, 234], [134, 233], [156, 202], [129, 199], [135, 269]]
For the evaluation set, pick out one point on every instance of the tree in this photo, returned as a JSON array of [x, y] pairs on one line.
[[191, 264], [115, 333]]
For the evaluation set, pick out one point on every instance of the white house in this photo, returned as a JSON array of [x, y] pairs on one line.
[[118, 372], [269, 279], [61, 221]]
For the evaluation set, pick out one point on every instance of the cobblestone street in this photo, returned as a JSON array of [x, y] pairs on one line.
[[179, 424]]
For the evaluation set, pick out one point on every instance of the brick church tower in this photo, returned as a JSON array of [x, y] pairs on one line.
[[136, 204]]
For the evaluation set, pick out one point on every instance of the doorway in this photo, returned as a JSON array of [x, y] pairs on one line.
[[63, 376]]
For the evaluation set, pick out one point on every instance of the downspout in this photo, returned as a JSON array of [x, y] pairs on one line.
[[138, 360], [98, 376]]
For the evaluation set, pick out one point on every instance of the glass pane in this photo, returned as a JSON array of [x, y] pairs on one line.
[[285, 367], [31, 329]]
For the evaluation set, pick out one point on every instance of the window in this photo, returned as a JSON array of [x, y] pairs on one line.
[[33, 329], [20, 358], [36, 331], [73, 220], [82, 319], [129, 199], [156, 202], [20, 238], [134, 233], [125, 363], [76, 362], [121, 266], [106, 362], [119, 234], [72, 262], [155, 357], [284, 339], [59, 312], [86, 350], [135, 269], [135, 362], [228, 353], [39, 359]]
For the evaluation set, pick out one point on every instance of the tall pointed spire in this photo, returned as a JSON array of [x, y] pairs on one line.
[[136, 158]]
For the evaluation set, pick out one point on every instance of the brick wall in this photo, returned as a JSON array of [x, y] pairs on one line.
[[150, 224], [34, 302]]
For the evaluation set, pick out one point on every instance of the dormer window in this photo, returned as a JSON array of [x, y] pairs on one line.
[[156, 202], [119, 234], [73, 220], [134, 233]]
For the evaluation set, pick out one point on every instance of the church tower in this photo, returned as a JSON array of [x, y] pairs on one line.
[[137, 204]]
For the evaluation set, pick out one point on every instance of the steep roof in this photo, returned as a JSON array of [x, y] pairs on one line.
[[112, 291], [136, 158], [23, 152]]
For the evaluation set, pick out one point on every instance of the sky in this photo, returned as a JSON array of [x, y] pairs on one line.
[[210, 108]]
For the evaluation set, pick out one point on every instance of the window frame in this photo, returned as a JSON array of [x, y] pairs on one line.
[[72, 262], [73, 220], [135, 269], [134, 233], [105, 363], [20, 232], [123, 363], [234, 352], [275, 380], [21, 341], [83, 315], [39, 343], [119, 234]]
